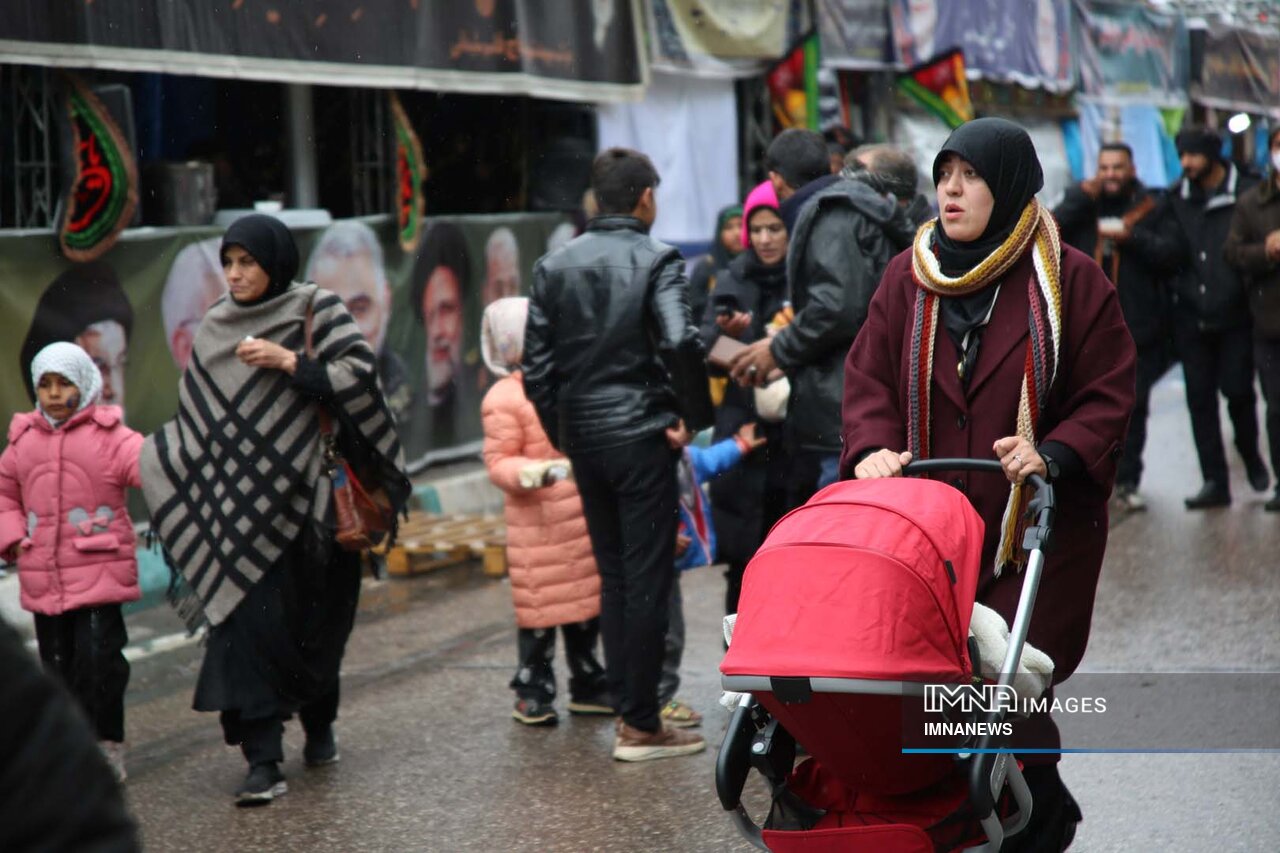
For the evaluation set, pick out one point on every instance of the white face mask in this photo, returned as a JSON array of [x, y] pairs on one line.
[[1275, 160]]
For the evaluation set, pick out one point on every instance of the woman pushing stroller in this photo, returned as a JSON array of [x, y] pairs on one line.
[[991, 337]]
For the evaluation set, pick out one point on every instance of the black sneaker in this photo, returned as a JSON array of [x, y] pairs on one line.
[[320, 750], [595, 704], [531, 712], [264, 783], [1127, 498], [1212, 495]]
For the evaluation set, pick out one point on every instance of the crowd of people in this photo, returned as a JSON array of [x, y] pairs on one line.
[[981, 324], [842, 325], [1193, 265]]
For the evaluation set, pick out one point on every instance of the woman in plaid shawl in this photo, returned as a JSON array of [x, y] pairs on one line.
[[989, 338], [241, 501]]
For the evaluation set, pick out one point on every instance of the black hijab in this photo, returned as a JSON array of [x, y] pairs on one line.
[[720, 254], [1004, 156], [272, 246]]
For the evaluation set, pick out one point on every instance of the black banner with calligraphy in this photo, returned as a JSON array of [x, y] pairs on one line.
[[102, 191], [587, 49], [411, 171], [1241, 71]]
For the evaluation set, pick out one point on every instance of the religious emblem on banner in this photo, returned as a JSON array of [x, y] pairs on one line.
[[411, 171], [939, 85], [103, 191]]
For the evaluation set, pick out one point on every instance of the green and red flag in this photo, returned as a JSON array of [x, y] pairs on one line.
[[411, 171], [939, 86], [103, 191]]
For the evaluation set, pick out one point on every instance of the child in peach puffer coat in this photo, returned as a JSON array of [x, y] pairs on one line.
[[63, 520], [554, 581]]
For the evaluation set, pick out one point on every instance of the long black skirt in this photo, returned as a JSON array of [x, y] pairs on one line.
[[282, 646]]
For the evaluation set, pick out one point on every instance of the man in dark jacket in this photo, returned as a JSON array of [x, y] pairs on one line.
[[892, 171], [1211, 313], [613, 363], [1108, 217], [1253, 248], [838, 249]]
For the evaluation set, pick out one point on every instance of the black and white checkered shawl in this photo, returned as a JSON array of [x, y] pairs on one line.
[[235, 478]]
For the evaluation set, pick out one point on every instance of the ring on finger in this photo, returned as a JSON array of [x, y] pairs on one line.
[[1017, 457]]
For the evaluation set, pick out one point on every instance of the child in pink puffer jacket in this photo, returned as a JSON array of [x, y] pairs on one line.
[[63, 519]]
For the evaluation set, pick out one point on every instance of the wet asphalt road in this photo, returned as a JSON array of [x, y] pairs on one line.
[[432, 761]]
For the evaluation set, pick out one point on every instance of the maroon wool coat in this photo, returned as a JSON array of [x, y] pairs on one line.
[[1088, 411]]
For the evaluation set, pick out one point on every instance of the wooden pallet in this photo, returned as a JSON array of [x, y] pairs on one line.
[[428, 542]]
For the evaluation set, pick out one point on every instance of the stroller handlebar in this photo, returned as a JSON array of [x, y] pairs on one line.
[[934, 466], [1042, 506]]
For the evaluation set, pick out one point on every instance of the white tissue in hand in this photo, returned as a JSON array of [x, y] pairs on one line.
[[535, 475]]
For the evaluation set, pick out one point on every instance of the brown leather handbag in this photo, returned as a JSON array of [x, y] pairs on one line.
[[362, 517]]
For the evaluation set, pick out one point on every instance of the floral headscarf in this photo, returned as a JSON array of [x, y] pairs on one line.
[[502, 334]]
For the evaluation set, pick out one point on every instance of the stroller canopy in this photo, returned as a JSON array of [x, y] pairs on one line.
[[871, 579]]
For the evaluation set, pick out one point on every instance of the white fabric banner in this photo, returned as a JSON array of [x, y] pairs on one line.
[[689, 128]]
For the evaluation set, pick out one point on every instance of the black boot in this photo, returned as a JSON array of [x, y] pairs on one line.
[[1258, 476], [321, 748], [1213, 494]]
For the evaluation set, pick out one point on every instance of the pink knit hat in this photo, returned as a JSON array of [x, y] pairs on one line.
[[762, 196]]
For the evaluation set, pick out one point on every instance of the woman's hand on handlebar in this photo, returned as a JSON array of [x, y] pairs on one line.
[[882, 463], [1019, 458]]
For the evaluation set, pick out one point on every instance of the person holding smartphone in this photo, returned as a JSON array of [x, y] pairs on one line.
[[748, 305]]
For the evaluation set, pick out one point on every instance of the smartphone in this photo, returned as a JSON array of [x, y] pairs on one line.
[[725, 304]]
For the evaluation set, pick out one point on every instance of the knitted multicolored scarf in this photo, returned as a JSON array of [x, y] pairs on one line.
[[1035, 229]]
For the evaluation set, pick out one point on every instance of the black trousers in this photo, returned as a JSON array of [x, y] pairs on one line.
[[1267, 357], [261, 739], [630, 502], [280, 652], [1152, 364], [1219, 362], [535, 677], [85, 648]]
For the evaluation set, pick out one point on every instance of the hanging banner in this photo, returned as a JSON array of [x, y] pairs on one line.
[[939, 85], [411, 171], [578, 51], [717, 38], [1241, 71], [102, 194], [856, 34], [1031, 48], [793, 88], [137, 308], [1128, 52]]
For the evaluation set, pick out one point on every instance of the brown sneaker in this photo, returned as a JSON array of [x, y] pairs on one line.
[[635, 745]]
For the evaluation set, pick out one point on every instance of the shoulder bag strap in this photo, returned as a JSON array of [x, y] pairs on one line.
[[326, 422]]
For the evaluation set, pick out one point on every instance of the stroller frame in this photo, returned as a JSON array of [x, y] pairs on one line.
[[755, 739]]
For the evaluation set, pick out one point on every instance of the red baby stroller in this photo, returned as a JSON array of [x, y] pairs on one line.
[[854, 603]]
